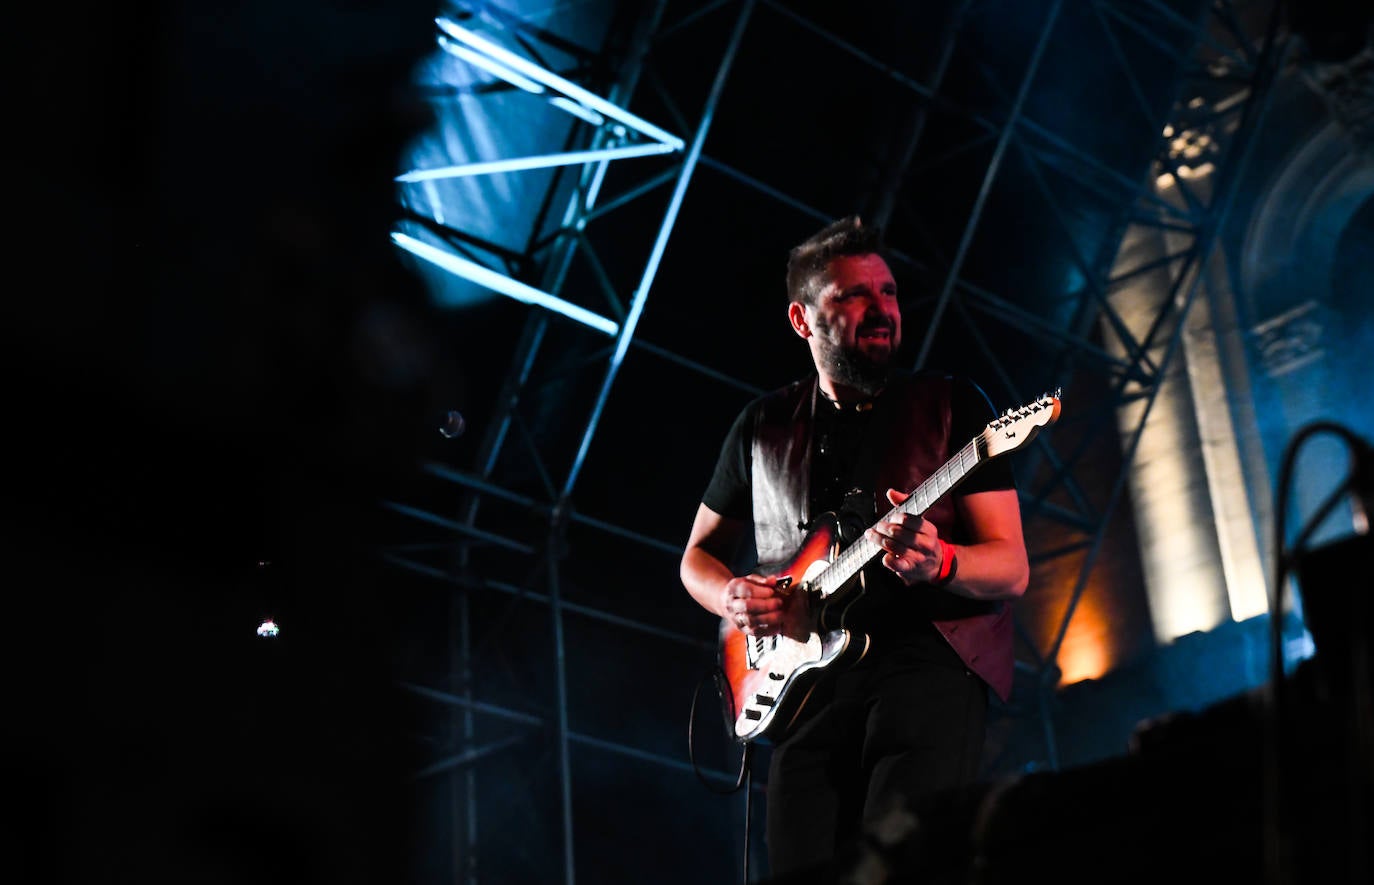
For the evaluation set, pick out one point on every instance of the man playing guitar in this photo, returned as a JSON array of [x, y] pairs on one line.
[[926, 631]]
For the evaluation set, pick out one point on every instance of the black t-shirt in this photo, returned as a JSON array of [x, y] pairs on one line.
[[888, 610], [839, 436]]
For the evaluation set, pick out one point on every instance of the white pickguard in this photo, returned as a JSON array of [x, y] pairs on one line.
[[786, 661]]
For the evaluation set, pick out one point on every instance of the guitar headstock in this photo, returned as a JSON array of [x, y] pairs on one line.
[[1016, 427]]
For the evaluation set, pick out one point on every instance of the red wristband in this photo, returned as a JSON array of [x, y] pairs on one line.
[[948, 564]]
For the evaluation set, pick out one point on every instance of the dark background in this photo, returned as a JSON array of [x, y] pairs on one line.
[[221, 368]]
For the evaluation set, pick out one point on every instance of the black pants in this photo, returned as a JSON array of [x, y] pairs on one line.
[[875, 738]]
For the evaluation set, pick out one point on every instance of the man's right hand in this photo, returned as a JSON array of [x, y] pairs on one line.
[[756, 607]]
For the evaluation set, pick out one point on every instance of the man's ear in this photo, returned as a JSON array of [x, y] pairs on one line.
[[796, 313]]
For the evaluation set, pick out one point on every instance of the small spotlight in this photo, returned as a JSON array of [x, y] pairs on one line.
[[453, 425], [268, 628]]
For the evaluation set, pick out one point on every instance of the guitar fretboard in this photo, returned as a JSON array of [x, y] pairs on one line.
[[862, 551]]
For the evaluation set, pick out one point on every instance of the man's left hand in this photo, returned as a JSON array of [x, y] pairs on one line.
[[911, 543]]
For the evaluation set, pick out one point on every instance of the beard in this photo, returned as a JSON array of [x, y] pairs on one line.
[[851, 366]]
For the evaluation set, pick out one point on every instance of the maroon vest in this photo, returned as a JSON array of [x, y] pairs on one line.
[[913, 418]]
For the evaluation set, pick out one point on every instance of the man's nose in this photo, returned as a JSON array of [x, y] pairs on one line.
[[878, 310]]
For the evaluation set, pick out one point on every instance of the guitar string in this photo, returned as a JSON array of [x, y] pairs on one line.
[[926, 494], [968, 457]]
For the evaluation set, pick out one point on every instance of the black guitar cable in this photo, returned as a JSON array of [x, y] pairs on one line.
[[745, 777]]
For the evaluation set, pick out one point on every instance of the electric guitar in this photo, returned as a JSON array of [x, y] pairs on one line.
[[768, 678]]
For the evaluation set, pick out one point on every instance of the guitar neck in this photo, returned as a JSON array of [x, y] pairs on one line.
[[859, 554]]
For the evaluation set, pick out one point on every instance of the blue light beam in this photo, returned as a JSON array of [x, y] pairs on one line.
[[485, 276], [509, 60], [539, 161]]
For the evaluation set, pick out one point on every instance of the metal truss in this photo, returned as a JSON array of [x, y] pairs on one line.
[[1234, 51], [554, 256], [1202, 148]]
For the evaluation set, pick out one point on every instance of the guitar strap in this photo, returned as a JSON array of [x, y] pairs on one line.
[[878, 436], [863, 500], [859, 503]]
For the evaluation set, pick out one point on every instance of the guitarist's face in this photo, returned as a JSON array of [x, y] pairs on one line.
[[855, 324]]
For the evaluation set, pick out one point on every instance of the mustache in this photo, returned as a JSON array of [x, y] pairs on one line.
[[874, 324]]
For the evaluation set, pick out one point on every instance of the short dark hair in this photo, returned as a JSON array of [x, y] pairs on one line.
[[809, 261]]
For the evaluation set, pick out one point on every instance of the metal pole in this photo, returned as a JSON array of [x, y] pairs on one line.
[[689, 164], [892, 180], [561, 696], [1002, 141]]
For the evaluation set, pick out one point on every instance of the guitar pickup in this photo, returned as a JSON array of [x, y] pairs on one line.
[[764, 700], [752, 714]]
